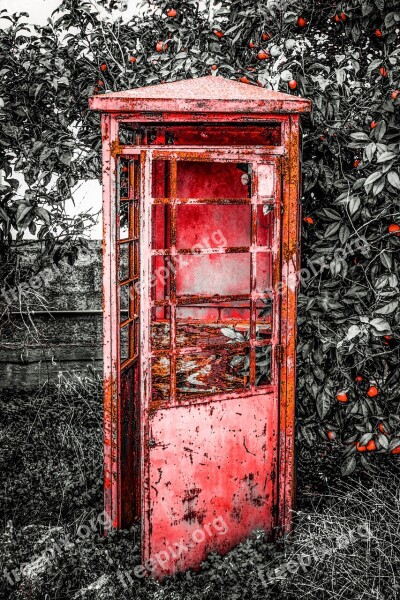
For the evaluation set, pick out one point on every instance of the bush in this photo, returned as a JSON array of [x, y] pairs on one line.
[[345, 58]]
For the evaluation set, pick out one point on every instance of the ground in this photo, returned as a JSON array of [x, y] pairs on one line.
[[51, 546]]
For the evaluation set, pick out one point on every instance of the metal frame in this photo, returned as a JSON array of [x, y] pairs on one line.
[[289, 153]]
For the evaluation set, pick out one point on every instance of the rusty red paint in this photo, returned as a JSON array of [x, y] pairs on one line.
[[189, 437], [203, 94]]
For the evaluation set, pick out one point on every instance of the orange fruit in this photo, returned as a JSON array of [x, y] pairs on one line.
[[356, 163], [159, 46], [394, 94], [252, 45], [244, 79], [371, 446], [265, 36], [342, 397], [359, 378], [171, 13], [373, 124], [378, 33], [381, 428], [372, 391], [301, 22], [383, 71], [343, 16], [103, 67], [309, 220], [132, 59], [337, 18], [262, 55], [331, 435], [361, 448], [292, 84], [214, 67], [218, 33], [396, 450], [394, 228]]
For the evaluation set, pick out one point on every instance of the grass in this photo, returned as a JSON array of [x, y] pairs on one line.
[[51, 457]]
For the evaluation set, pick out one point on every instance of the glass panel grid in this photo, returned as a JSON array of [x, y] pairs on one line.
[[128, 259], [259, 350]]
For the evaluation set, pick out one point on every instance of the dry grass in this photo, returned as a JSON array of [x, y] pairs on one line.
[[353, 542]]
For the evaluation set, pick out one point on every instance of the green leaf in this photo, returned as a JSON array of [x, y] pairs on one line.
[[388, 308], [354, 204], [323, 404], [348, 465], [394, 179], [386, 259], [373, 177], [380, 327], [332, 229], [353, 332], [360, 136], [43, 214], [22, 211], [385, 156]]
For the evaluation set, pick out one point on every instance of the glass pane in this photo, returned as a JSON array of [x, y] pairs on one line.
[[264, 318], [212, 324], [265, 224], [160, 179], [124, 292], [160, 328], [124, 343], [213, 274], [213, 179], [266, 181], [125, 258], [263, 271], [263, 365], [161, 275], [222, 370], [160, 367], [161, 226], [221, 135], [123, 178], [127, 134], [124, 220], [213, 226]]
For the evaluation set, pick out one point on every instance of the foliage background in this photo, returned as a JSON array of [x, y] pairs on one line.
[[345, 57]]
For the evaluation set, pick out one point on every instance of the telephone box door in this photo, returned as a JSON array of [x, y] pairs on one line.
[[209, 351]]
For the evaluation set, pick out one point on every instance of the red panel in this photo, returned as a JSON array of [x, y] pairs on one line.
[[212, 180], [210, 274], [264, 271], [161, 233], [213, 226], [212, 478], [225, 135]]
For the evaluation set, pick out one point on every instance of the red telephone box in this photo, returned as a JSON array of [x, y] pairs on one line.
[[201, 253]]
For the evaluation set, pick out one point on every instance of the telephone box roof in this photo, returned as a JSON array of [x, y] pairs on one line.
[[202, 94]]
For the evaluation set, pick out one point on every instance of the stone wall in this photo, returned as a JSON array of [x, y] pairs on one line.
[[57, 328]]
